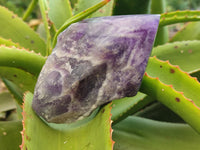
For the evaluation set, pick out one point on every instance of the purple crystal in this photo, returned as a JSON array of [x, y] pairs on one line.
[[95, 61]]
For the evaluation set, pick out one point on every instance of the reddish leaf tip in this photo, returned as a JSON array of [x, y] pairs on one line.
[[107, 1], [177, 67], [195, 78], [111, 130], [181, 93]]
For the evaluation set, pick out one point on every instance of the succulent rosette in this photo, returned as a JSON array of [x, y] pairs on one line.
[[94, 62]]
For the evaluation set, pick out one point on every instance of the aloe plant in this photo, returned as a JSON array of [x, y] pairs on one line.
[[120, 119]]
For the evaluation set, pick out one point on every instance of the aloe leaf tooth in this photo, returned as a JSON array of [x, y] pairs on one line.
[[95, 61]]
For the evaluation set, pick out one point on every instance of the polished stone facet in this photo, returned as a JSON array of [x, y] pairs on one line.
[[95, 61]]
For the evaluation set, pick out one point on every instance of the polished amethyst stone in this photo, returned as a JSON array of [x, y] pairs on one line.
[[95, 61]]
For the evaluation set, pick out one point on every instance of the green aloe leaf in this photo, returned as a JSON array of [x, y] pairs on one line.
[[10, 136], [172, 75], [18, 95], [6, 102], [41, 31], [175, 100], [81, 5], [24, 80], [176, 53], [179, 16], [144, 134], [79, 17], [21, 59], [190, 31], [59, 11], [2, 115], [124, 107], [12, 27], [158, 7], [7, 42], [19, 69], [185, 54], [73, 2], [43, 10], [15, 90], [63, 136], [29, 9], [158, 111], [17, 81]]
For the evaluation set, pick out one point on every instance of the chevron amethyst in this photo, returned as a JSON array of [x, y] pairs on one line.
[[95, 61]]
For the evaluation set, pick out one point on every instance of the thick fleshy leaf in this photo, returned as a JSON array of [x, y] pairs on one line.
[[176, 53], [61, 137], [178, 101], [41, 31], [136, 133], [158, 111], [21, 59], [45, 19], [124, 107], [30, 8], [19, 69], [178, 17], [73, 2], [10, 136], [22, 79], [2, 115], [89, 60], [172, 75], [15, 90], [190, 31], [158, 7], [59, 11], [82, 5], [185, 54], [6, 102], [12, 27], [78, 17], [7, 42]]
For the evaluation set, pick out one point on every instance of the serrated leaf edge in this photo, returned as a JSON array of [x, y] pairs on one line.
[[22, 49], [171, 86], [15, 15], [23, 120], [177, 67], [179, 16], [111, 130]]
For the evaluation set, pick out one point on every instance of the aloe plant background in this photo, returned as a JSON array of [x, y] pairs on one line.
[[140, 122]]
